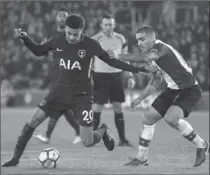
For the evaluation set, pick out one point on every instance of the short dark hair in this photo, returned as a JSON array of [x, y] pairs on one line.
[[145, 28], [75, 22], [107, 16], [63, 9]]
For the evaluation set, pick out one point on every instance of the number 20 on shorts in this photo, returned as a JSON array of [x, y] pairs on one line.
[[88, 116]]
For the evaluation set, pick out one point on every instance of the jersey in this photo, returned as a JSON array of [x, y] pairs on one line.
[[174, 69], [53, 68], [74, 60], [116, 42]]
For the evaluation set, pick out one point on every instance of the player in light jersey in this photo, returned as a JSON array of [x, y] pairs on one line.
[[107, 80], [69, 115], [175, 103]]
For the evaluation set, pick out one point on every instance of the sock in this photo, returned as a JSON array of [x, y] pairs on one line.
[[71, 118], [144, 141], [120, 125], [187, 132], [96, 120], [50, 127], [22, 141]]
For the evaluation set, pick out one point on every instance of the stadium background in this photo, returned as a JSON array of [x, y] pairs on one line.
[[184, 25]]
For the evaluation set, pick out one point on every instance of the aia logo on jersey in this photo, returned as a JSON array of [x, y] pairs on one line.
[[70, 65], [81, 53]]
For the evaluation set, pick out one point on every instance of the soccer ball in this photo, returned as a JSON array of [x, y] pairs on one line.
[[49, 157]]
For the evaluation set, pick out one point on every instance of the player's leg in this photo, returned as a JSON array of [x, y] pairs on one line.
[[151, 117], [120, 124], [26, 133], [50, 128], [101, 85], [181, 108], [89, 137], [71, 119], [52, 120], [97, 109], [117, 97]]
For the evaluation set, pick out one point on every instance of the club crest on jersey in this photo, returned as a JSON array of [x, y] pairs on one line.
[[81, 53]]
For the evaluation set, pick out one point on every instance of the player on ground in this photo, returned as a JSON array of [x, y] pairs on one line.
[[107, 80], [175, 103], [69, 115], [73, 89]]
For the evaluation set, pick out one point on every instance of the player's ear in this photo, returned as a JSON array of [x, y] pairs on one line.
[[81, 30]]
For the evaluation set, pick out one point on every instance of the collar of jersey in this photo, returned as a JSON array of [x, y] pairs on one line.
[[108, 36]]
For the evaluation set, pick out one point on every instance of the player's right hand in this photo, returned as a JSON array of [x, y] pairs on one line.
[[20, 33], [151, 66], [112, 54]]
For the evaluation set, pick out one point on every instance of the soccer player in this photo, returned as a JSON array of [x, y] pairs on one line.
[[107, 80], [175, 103], [69, 115], [73, 89]]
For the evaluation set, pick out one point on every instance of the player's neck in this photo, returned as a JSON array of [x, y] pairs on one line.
[[80, 40], [109, 35]]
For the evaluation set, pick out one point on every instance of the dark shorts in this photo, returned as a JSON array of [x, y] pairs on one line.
[[108, 87], [186, 99], [59, 100]]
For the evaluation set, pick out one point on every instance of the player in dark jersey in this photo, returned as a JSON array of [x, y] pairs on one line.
[[73, 88], [69, 115], [173, 104]]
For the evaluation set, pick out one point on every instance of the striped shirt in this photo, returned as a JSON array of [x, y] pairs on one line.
[[116, 42], [175, 71]]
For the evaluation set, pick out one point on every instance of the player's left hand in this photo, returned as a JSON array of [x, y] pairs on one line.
[[20, 33], [136, 102], [131, 83]]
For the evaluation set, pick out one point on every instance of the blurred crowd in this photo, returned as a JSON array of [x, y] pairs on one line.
[[23, 70]]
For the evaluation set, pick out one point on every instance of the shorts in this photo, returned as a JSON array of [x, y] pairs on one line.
[[108, 87], [59, 100], [186, 99]]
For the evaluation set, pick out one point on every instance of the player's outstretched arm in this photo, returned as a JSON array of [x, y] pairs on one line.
[[104, 56], [151, 87], [121, 65], [37, 49], [140, 57]]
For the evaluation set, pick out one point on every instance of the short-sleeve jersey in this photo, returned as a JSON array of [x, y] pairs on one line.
[[174, 69], [116, 43]]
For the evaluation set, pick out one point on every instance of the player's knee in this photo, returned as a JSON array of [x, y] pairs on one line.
[[173, 115], [87, 143], [172, 121], [151, 117], [148, 121], [97, 107], [38, 117], [117, 107], [86, 134]]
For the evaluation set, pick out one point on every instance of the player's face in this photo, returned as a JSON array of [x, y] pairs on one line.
[[144, 41], [73, 35], [61, 17], [108, 26]]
